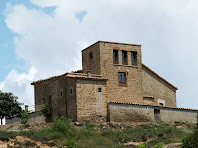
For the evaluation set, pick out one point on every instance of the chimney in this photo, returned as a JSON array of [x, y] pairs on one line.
[[26, 108], [88, 73]]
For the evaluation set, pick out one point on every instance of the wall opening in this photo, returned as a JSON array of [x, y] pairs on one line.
[[134, 58], [124, 58], [122, 77], [90, 55], [156, 115], [115, 57]]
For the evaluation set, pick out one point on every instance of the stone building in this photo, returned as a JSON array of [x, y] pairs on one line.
[[111, 73]]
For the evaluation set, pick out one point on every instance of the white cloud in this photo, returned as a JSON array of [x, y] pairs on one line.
[[52, 43], [19, 85]]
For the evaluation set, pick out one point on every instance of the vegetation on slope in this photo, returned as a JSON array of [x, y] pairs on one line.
[[61, 134]]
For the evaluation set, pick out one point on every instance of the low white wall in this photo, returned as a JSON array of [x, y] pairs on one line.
[[120, 112], [34, 118]]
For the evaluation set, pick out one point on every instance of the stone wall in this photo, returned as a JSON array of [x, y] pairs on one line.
[[91, 104], [132, 91], [91, 64], [63, 102], [142, 113], [103, 55], [158, 89]]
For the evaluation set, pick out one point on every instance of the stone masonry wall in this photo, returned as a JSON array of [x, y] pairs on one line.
[[153, 86], [139, 113], [94, 64], [132, 91], [91, 103], [62, 102]]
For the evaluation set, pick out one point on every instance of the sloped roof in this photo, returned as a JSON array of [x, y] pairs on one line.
[[71, 75]]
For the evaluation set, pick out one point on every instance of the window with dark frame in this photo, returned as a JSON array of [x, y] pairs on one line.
[[122, 77], [134, 58], [124, 57], [115, 56], [61, 93], [90, 55]]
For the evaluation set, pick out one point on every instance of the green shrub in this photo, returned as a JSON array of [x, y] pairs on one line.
[[143, 145], [29, 144], [25, 116], [46, 110], [71, 142], [61, 124], [186, 143]]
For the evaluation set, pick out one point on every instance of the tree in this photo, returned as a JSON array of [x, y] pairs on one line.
[[9, 106]]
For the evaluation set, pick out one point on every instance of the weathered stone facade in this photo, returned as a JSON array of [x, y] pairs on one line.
[[112, 72]]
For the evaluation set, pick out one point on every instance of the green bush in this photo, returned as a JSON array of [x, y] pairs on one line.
[[71, 142], [46, 110], [61, 124], [29, 144], [25, 116]]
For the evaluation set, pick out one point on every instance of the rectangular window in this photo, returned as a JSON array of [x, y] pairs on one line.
[[115, 56], [134, 58], [122, 77], [124, 58], [99, 89], [90, 55], [71, 91]]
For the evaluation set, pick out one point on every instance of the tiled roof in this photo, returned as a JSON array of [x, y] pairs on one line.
[[159, 76], [154, 106], [71, 75], [47, 79]]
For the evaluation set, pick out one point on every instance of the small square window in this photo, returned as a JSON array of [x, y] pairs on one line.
[[90, 55]]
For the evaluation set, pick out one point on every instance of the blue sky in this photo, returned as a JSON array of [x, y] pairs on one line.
[[9, 59], [43, 38]]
